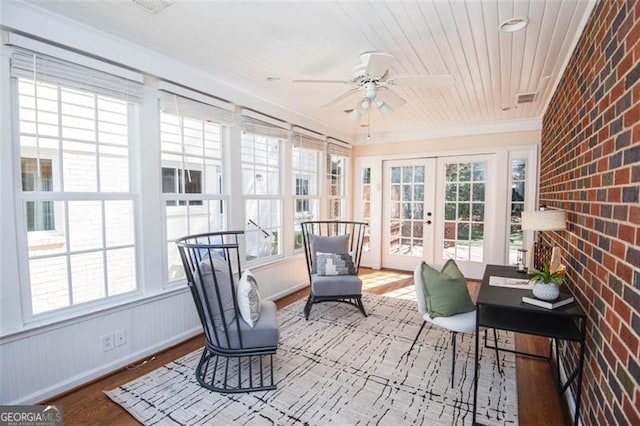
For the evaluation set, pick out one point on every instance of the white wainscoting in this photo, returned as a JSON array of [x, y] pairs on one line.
[[38, 364]]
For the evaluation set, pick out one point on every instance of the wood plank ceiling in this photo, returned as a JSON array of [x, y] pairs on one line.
[[243, 43]]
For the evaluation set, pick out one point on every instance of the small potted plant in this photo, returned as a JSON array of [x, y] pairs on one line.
[[547, 282]]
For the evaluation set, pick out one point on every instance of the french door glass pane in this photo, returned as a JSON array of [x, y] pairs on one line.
[[406, 210], [464, 211]]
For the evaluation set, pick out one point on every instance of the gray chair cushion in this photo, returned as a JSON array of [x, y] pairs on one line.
[[334, 244], [263, 334], [225, 291], [337, 285]]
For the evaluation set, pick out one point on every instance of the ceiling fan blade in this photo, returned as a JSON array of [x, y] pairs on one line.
[[376, 64], [390, 97], [441, 80], [323, 81], [341, 97]]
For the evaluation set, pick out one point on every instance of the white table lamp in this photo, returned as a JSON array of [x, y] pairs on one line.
[[545, 220]]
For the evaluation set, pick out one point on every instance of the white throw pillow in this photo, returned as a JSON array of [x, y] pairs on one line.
[[249, 298]]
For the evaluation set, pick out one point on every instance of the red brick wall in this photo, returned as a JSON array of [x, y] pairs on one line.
[[590, 167]]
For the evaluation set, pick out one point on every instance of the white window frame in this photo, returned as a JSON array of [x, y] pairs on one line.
[[179, 108], [344, 154], [59, 196], [253, 227], [530, 156], [313, 174]]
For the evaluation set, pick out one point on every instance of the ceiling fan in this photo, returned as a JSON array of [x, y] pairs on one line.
[[371, 78]]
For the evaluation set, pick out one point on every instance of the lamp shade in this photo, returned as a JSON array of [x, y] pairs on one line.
[[544, 220]]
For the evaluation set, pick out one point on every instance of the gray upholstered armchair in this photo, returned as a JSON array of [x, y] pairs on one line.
[[233, 346], [333, 250]]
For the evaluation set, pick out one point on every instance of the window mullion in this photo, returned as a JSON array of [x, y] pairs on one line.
[[60, 142], [104, 248], [97, 141], [67, 252]]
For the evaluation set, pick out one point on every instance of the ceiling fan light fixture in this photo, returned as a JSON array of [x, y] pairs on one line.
[[513, 24], [384, 109], [355, 114], [365, 104]]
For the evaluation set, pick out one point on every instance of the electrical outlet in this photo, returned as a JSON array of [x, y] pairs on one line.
[[120, 337], [108, 342]]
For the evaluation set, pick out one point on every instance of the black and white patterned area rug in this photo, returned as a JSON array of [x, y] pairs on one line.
[[344, 369]]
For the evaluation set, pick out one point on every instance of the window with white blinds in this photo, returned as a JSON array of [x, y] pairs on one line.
[[262, 167], [191, 135], [76, 194], [80, 164], [337, 180], [305, 168]]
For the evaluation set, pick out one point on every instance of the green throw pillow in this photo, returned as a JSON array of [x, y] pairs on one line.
[[446, 291]]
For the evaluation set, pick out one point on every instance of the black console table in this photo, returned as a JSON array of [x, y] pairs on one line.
[[502, 308]]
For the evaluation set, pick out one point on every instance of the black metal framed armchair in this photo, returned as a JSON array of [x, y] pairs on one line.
[[334, 237], [236, 356]]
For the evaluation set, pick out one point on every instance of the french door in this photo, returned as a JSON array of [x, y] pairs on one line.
[[408, 211], [435, 209]]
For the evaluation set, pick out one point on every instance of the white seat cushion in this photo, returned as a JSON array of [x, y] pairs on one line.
[[461, 323]]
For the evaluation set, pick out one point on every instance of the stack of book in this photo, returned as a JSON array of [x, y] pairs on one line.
[[562, 300]]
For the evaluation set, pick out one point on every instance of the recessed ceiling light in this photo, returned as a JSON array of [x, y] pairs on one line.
[[513, 24]]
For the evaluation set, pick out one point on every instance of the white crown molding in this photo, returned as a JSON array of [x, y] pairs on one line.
[[500, 127]]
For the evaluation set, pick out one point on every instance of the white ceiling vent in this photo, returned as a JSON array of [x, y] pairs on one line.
[[153, 6], [526, 98]]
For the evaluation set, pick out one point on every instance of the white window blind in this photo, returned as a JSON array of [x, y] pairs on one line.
[[339, 150], [178, 104], [43, 68], [256, 127], [303, 141]]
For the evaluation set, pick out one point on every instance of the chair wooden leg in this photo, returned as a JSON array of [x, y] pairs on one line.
[[307, 307], [417, 335], [453, 357]]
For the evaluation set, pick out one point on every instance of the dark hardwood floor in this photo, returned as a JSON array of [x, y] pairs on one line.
[[538, 400]]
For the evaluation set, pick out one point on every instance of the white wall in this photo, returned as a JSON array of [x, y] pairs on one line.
[[500, 146]]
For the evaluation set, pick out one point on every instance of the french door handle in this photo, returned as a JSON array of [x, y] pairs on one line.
[[428, 222]]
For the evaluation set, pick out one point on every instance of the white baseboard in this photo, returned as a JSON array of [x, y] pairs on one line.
[[87, 376], [568, 395], [288, 291]]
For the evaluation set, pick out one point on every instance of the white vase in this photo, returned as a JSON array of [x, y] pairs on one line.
[[546, 291]]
